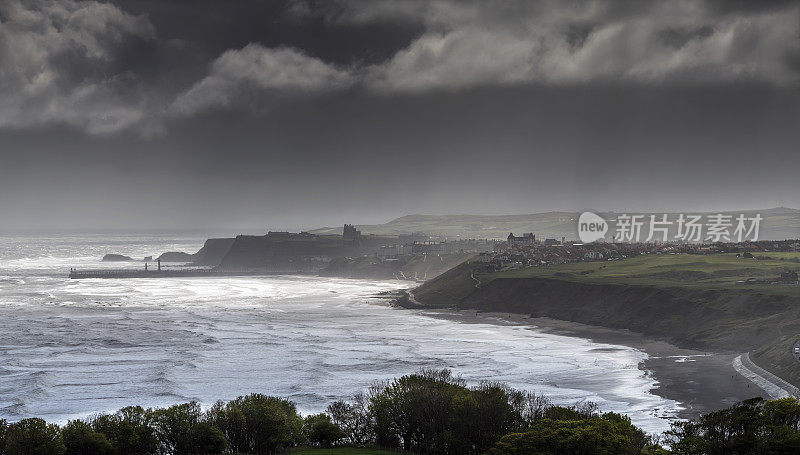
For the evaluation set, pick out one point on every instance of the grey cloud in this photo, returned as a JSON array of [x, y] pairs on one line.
[[254, 67], [473, 44], [55, 56]]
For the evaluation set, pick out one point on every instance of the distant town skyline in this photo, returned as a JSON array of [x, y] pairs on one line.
[[303, 114]]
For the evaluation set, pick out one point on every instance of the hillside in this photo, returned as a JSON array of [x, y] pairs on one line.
[[690, 300], [778, 224]]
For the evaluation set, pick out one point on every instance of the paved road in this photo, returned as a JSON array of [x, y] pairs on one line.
[[796, 350], [774, 386]]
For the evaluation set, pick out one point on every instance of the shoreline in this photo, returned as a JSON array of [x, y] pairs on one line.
[[700, 381]]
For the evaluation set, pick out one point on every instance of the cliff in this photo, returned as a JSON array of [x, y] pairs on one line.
[[731, 320], [292, 252], [213, 251], [116, 258]]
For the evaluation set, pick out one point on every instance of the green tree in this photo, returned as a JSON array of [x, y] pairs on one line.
[[208, 439], [3, 432], [413, 412], [258, 423], [606, 435], [174, 425], [80, 439], [321, 431], [129, 431], [34, 437], [354, 418], [752, 426]]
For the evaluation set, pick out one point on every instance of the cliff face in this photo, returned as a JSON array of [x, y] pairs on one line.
[[720, 319], [732, 320], [284, 254], [213, 251]]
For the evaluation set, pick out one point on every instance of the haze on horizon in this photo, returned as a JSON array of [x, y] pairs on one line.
[[303, 114]]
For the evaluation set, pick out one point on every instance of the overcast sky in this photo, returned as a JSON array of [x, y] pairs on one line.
[[250, 115]]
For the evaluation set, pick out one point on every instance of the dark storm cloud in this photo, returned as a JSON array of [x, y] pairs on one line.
[[61, 62], [107, 67], [302, 113]]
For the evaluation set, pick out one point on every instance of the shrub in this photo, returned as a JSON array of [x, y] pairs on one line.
[[321, 431], [606, 435]]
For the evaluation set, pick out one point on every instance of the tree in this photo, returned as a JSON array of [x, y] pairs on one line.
[[129, 431], [353, 418], [413, 411], [606, 435], [174, 425], [80, 439], [321, 431], [208, 439], [752, 426], [34, 437], [258, 423], [3, 432]]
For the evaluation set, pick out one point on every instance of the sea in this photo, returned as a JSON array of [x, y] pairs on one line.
[[73, 348]]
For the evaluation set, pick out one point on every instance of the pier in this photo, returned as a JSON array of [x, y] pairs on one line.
[[178, 273]]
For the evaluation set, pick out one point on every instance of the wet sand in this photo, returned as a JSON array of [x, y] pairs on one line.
[[701, 381]]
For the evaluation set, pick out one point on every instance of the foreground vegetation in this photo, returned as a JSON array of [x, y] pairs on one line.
[[430, 412]]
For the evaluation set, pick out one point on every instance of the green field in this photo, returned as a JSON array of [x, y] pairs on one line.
[[682, 270]]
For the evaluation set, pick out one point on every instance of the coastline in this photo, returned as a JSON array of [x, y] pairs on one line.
[[701, 381]]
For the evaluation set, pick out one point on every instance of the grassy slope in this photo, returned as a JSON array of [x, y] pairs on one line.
[[690, 299], [713, 271]]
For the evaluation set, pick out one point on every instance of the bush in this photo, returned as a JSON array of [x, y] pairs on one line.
[[34, 437], [610, 434], [321, 431], [80, 439]]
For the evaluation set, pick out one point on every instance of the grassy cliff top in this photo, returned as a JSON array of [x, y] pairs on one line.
[[711, 271], [678, 270]]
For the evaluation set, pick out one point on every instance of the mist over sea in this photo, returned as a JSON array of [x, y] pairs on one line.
[[70, 348]]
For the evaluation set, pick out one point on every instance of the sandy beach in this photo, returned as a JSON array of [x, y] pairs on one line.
[[702, 381]]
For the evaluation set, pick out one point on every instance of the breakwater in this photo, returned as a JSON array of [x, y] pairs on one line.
[[179, 273]]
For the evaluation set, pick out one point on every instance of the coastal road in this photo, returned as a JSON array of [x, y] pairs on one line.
[[774, 386]]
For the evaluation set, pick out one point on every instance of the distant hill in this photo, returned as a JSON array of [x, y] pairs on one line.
[[779, 223]]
